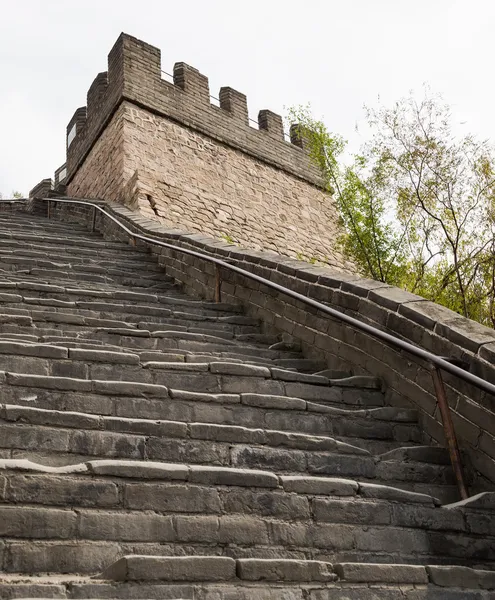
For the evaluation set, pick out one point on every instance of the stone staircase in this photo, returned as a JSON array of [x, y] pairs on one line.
[[153, 445]]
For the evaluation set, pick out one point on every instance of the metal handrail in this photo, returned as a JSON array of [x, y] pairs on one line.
[[437, 363]]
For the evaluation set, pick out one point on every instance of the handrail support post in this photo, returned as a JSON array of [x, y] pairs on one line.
[[449, 431], [49, 209], [93, 223], [218, 285]]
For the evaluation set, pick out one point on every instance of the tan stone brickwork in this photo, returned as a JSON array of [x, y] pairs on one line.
[[190, 182], [101, 174]]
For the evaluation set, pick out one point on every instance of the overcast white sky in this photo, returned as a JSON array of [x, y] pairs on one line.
[[337, 55]]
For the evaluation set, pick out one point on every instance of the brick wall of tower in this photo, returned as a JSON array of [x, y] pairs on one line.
[[166, 150]]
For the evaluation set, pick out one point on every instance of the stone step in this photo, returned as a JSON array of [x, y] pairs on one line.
[[210, 377], [13, 224], [257, 411], [168, 508], [267, 579], [18, 291], [9, 281], [49, 433], [64, 278], [108, 309], [86, 274], [95, 252], [110, 258], [50, 359], [144, 355], [76, 241], [17, 261]]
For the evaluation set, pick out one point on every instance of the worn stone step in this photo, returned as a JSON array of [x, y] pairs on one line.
[[88, 589], [60, 280], [142, 400], [90, 343], [59, 360], [93, 252], [212, 377], [219, 509], [77, 241], [85, 264], [200, 317]]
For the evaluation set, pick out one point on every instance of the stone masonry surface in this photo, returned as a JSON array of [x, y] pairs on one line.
[[188, 181], [158, 445], [400, 313], [166, 150]]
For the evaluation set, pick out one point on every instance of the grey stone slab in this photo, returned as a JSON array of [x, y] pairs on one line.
[[177, 366], [285, 375], [129, 388], [42, 351], [378, 573], [326, 486], [234, 477], [252, 569], [167, 568], [139, 469], [351, 511], [243, 370], [461, 577], [172, 497], [464, 332], [484, 500], [385, 492], [103, 356], [47, 382], [60, 490], [28, 414], [227, 433], [23, 464], [200, 397], [392, 297], [272, 401]]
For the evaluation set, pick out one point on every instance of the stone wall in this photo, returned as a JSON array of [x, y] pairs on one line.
[[186, 180], [407, 380], [168, 151]]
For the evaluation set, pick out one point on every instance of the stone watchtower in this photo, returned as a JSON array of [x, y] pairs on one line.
[[165, 149]]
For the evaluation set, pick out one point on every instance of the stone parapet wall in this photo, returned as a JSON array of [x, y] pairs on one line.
[[186, 180], [134, 74], [408, 380], [165, 149]]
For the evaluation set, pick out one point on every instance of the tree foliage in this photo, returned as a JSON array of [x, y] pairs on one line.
[[15, 195], [417, 203]]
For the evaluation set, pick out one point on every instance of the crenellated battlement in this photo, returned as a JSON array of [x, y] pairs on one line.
[[135, 75]]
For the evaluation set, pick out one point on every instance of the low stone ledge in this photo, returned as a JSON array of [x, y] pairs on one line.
[[166, 568]]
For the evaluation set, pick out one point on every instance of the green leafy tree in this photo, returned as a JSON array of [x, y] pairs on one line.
[[417, 204]]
